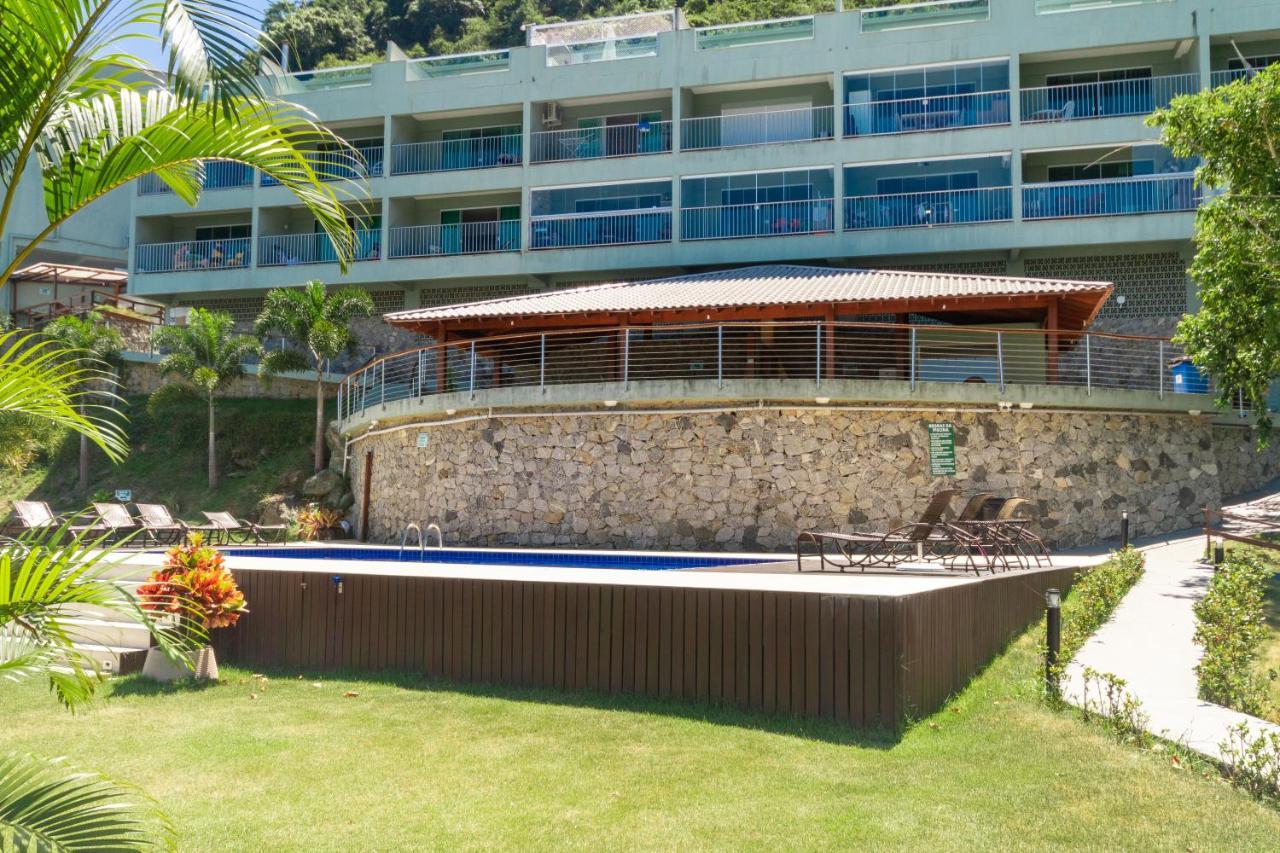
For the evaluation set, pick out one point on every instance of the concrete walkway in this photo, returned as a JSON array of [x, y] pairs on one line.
[[1148, 642]]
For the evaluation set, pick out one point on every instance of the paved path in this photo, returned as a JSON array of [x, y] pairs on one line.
[[1148, 642]]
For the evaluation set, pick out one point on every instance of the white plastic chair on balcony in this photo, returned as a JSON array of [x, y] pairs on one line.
[[1064, 113]]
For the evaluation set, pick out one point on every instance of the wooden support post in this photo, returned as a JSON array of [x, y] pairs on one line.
[[1051, 342]]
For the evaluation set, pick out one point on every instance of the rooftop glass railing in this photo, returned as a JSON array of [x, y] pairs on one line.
[[1169, 193], [459, 64], [342, 166], [925, 113], [218, 175], [613, 228], [887, 15], [762, 128], [287, 250], [462, 238], [1075, 101], [763, 219], [1044, 7], [194, 255], [753, 33], [325, 79], [451, 155], [591, 143], [927, 209], [604, 50]]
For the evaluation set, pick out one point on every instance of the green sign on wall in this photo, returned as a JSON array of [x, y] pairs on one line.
[[942, 449]]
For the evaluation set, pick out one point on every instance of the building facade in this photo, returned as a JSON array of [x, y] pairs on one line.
[[972, 136]]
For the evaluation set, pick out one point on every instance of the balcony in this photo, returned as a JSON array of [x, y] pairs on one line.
[[927, 209], [758, 128], [459, 64], [764, 219], [753, 33], [1075, 101], [927, 113], [616, 228], [218, 175], [193, 255], [287, 250], [464, 238], [886, 15], [1167, 193], [594, 143], [341, 165], [452, 155]]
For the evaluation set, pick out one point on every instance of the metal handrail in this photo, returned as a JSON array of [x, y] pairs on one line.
[[404, 538], [439, 535]]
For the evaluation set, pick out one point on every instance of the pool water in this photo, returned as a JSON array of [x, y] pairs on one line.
[[546, 559]]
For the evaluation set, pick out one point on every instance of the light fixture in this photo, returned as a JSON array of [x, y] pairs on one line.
[[822, 401], [1120, 299], [1053, 598], [1025, 405], [611, 403], [1193, 412], [450, 411]]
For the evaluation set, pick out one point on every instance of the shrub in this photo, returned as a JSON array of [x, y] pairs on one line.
[[1107, 697], [312, 520], [1251, 761], [194, 584], [1231, 626], [1095, 595]]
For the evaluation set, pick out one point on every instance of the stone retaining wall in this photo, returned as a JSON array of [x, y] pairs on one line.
[[749, 479], [142, 378]]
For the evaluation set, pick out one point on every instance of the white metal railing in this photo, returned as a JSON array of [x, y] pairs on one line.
[[341, 165], [591, 143], [931, 112], [753, 33], [459, 64], [762, 219], [1074, 101], [926, 209], [762, 128], [1111, 196], [218, 175], [619, 227], [287, 250], [603, 50], [464, 238], [888, 15], [451, 155], [815, 353], [1225, 76], [184, 255]]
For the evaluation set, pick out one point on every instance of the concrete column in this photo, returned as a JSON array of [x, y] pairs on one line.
[[1015, 120], [1202, 56]]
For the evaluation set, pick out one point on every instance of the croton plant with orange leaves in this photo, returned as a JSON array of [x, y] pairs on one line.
[[194, 584]]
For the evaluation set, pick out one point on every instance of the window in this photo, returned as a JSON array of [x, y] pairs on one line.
[[643, 195], [910, 83], [1085, 77], [1257, 63], [757, 188], [222, 232], [1101, 171]]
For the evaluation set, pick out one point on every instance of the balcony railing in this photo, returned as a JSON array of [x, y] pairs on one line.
[[926, 209], [753, 33], [886, 15], [185, 255], [451, 155], [764, 128], [591, 143], [933, 112], [820, 355], [218, 175], [341, 166], [286, 250], [1110, 197], [1074, 101], [1222, 78], [603, 50], [459, 64], [562, 231], [465, 238], [766, 219], [324, 79], [1044, 7]]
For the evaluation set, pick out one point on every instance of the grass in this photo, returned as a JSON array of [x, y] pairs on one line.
[[283, 764], [1268, 661], [258, 441]]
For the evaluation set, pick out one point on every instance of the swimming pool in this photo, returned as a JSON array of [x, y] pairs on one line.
[[544, 559]]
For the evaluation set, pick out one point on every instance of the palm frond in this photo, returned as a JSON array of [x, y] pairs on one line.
[[280, 361]]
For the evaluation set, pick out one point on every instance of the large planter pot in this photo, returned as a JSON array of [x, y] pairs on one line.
[[160, 668]]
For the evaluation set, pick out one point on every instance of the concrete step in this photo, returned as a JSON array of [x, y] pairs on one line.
[[114, 660], [107, 632]]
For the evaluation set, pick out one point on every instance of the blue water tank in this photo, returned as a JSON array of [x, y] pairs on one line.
[[1187, 378]]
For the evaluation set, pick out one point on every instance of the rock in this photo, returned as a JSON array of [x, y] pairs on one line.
[[333, 441], [322, 483], [291, 481], [274, 509], [334, 498]]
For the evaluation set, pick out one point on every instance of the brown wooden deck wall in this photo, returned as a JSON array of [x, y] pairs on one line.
[[865, 661]]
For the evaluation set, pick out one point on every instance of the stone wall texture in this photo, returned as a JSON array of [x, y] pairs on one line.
[[750, 479]]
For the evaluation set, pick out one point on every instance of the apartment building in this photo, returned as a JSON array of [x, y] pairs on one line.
[[978, 136]]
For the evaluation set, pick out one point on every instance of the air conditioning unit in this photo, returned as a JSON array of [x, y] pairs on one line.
[[551, 115]]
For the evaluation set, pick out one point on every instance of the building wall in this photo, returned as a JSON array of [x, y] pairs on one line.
[[750, 479]]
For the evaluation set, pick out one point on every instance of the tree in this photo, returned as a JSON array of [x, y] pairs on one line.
[[204, 357], [1235, 132], [318, 324], [97, 346]]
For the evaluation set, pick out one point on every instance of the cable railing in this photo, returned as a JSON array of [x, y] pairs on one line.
[[762, 219], [889, 15], [287, 250], [1076, 101], [592, 143], [452, 155], [926, 113], [462, 238], [341, 165], [760, 128], [186, 255], [926, 209], [817, 354], [218, 175], [620, 227], [1170, 193]]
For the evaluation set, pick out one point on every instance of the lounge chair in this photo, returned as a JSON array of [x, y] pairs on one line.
[[116, 520], [863, 550], [36, 516], [159, 525], [1008, 536], [229, 526]]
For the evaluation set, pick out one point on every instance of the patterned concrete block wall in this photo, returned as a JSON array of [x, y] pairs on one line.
[[1154, 287], [142, 378], [751, 479]]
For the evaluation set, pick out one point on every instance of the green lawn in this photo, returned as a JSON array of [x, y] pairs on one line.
[[408, 763]]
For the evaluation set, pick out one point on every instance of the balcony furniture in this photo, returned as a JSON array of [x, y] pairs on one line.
[[862, 550], [227, 526], [36, 516], [1064, 113], [161, 528], [115, 518]]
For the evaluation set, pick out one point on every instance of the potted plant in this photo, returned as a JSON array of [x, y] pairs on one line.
[[193, 587], [320, 523]]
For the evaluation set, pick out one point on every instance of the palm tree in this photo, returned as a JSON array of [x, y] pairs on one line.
[[97, 346], [205, 356], [318, 324]]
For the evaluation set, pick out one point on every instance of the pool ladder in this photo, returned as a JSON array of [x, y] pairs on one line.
[[411, 527]]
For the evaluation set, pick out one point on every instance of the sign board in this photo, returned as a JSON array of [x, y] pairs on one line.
[[942, 449], [124, 495], [423, 439]]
